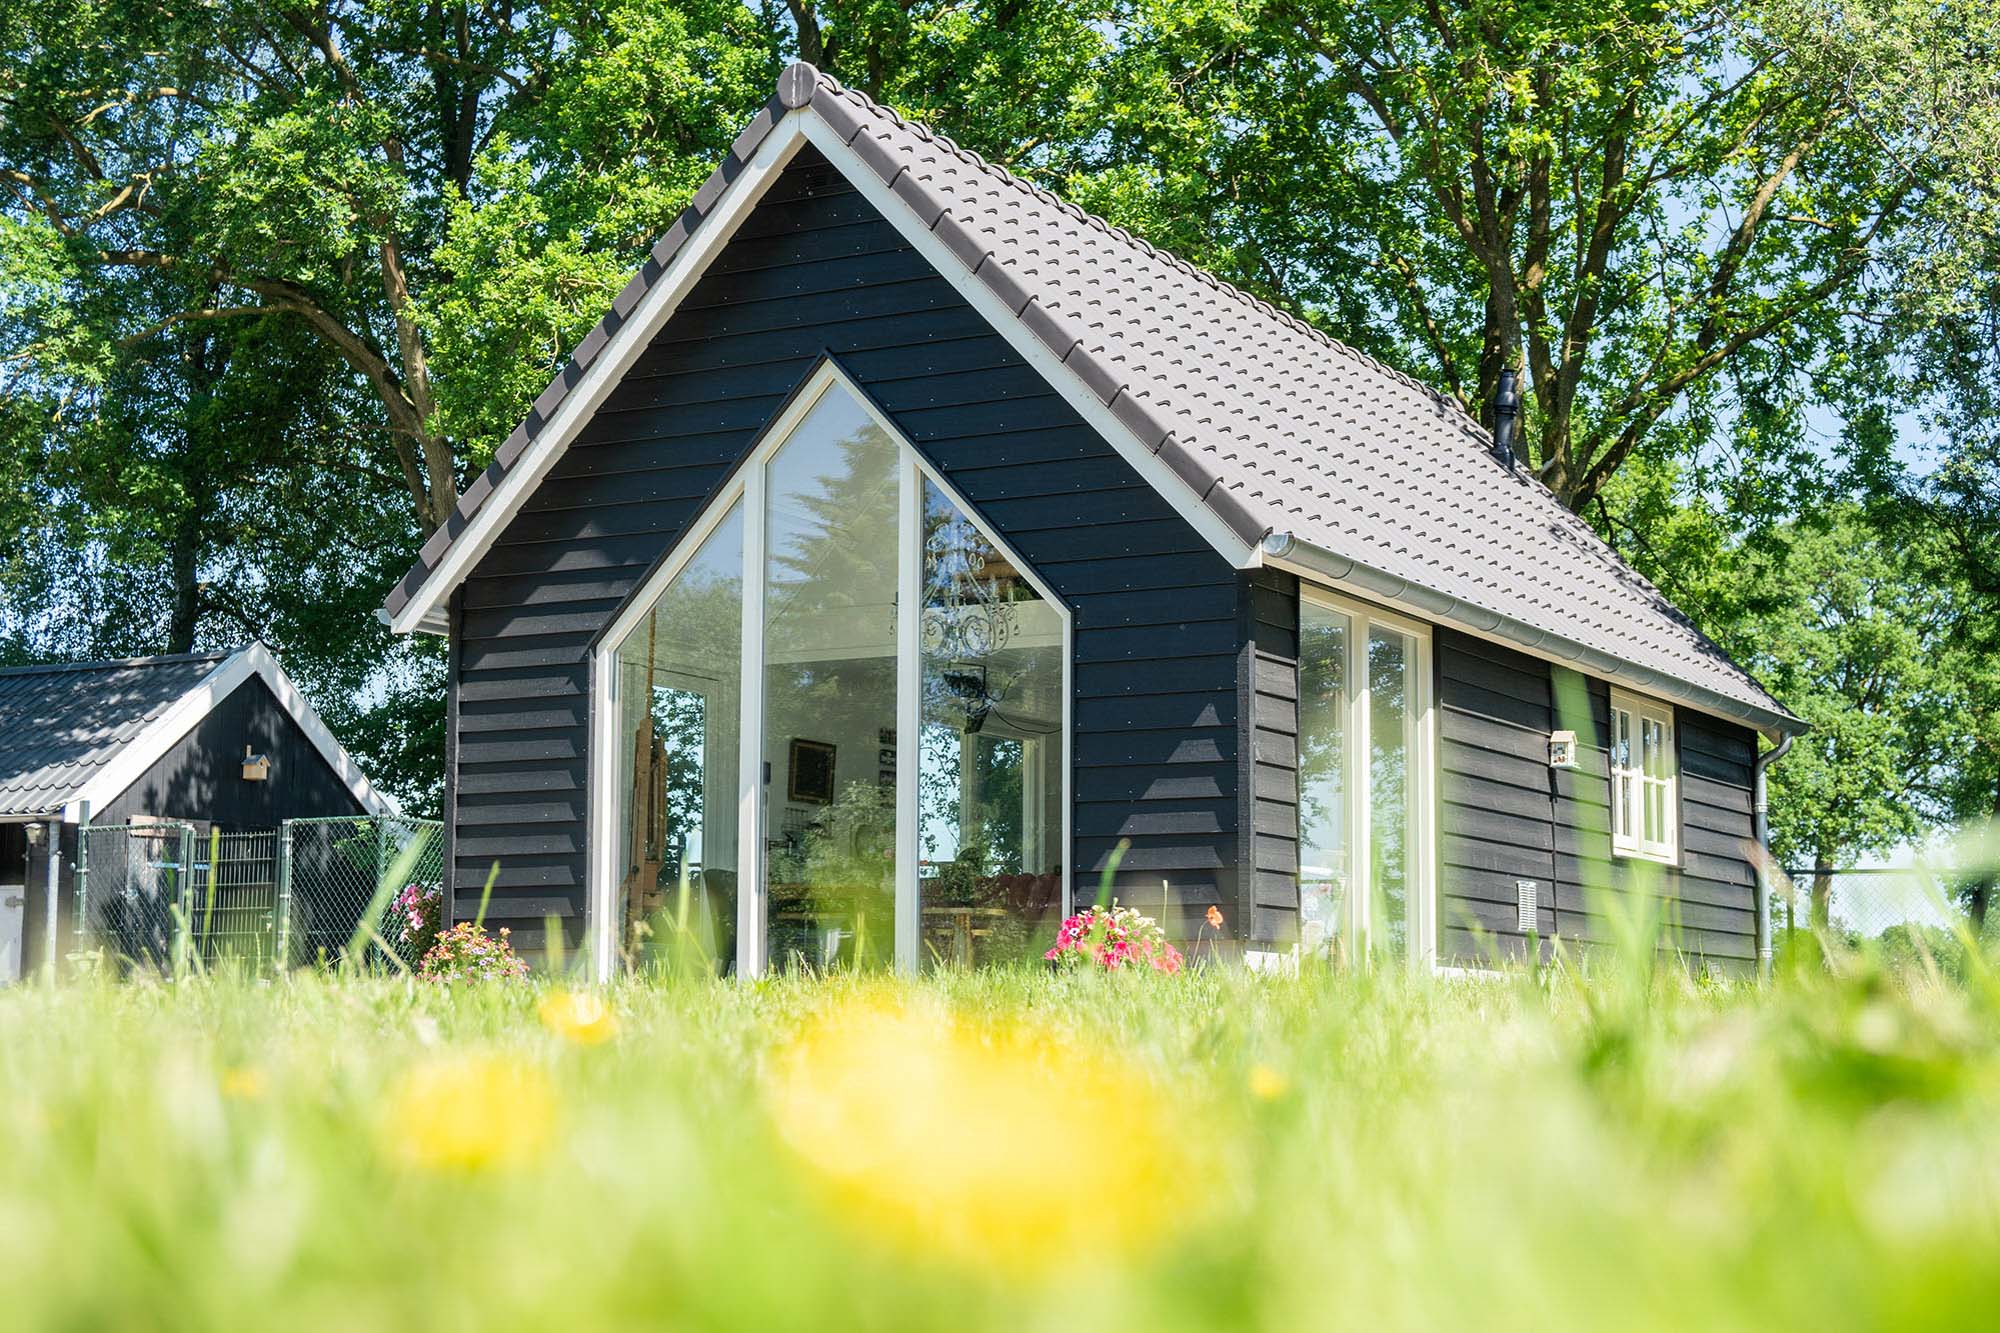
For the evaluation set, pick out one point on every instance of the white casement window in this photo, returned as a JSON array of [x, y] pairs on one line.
[[832, 729], [1367, 786], [1645, 779]]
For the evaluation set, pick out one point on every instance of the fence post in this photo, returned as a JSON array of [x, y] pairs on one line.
[[282, 928], [183, 940], [82, 885]]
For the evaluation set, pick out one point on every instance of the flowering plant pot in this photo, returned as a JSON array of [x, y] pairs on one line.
[[1113, 939]]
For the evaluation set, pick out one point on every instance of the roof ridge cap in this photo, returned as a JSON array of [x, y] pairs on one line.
[[1185, 267], [116, 663]]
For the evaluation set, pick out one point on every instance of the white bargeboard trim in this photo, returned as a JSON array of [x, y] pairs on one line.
[[424, 609], [253, 662]]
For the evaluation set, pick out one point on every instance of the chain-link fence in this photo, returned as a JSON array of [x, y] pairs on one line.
[[168, 896], [132, 891], [1866, 904], [342, 874]]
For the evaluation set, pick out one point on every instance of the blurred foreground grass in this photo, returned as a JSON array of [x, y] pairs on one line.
[[1005, 1150]]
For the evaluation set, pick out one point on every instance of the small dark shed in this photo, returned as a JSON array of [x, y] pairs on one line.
[[906, 545], [217, 740]]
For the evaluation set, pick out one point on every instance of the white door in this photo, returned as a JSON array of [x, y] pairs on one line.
[[13, 900]]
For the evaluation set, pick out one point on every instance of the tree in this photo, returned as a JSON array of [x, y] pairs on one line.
[[343, 165], [1663, 212], [1853, 629], [276, 277]]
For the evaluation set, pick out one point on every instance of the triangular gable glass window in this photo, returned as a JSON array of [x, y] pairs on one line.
[[802, 776]]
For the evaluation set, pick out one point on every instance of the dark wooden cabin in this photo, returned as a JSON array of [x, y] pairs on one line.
[[906, 545], [215, 740]]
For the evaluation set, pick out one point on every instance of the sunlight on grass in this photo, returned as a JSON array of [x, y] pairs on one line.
[[1006, 1150]]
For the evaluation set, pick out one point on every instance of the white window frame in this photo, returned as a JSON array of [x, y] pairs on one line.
[[1421, 891], [1628, 802], [747, 485]]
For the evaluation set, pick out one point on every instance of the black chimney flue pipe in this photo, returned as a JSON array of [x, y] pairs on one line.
[[1506, 409]]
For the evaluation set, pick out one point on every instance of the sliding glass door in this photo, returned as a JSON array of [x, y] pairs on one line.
[[1366, 886], [841, 722]]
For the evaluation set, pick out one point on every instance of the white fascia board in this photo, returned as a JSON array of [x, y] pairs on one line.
[[425, 609], [165, 731], [1009, 325]]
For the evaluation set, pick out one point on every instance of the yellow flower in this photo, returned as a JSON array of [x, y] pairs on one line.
[[1267, 1084], [468, 1112], [243, 1083], [997, 1148], [581, 1016]]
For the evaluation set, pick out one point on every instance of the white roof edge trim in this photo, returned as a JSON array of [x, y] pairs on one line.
[[425, 609], [1351, 576], [253, 662], [1008, 324]]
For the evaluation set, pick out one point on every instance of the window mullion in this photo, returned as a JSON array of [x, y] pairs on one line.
[[909, 710], [753, 891], [1360, 854]]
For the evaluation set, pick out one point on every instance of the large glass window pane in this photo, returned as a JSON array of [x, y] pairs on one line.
[[989, 829], [1323, 865], [678, 689], [1390, 655], [830, 690]]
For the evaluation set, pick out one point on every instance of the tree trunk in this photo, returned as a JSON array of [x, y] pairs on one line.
[[1822, 890], [184, 565], [1979, 893]]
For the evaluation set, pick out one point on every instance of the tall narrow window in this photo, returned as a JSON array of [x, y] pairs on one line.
[[1391, 822], [1645, 772], [830, 690], [1364, 783], [1323, 762], [990, 784], [678, 684]]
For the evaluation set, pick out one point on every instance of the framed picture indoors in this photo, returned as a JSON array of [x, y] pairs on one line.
[[811, 777]]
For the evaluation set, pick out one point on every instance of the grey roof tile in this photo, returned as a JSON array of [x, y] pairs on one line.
[[60, 724]]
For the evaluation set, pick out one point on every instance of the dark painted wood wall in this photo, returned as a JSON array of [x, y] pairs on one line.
[[815, 270], [1504, 815], [1269, 901], [200, 779]]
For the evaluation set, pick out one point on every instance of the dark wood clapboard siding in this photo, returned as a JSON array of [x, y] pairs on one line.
[[814, 270], [200, 778], [1496, 817], [1505, 816], [1268, 769]]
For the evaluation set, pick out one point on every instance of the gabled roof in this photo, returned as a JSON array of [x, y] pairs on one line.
[[78, 732], [1276, 441]]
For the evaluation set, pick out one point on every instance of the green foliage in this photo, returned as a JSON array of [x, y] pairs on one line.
[[276, 279], [1857, 634], [220, 1156]]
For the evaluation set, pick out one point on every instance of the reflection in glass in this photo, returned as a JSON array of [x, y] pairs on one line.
[[1389, 658], [990, 751], [678, 687], [830, 690], [1323, 871]]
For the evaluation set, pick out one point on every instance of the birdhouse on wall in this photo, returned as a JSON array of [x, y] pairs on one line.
[[256, 767], [1562, 749]]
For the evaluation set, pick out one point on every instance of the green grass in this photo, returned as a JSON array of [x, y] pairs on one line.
[[1634, 1150]]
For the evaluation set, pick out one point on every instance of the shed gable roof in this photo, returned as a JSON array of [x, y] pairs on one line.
[[1260, 425], [72, 732]]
